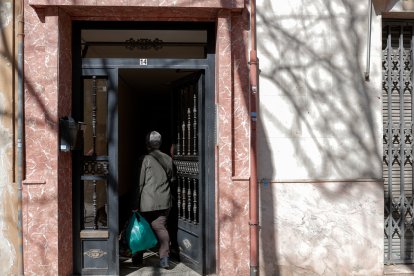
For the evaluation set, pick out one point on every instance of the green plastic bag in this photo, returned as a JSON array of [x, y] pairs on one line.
[[139, 234]]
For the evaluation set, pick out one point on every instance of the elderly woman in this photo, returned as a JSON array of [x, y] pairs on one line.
[[153, 195]]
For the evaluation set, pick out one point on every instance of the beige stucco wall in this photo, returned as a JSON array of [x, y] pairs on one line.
[[320, 145], [8, 188], [320, 119]]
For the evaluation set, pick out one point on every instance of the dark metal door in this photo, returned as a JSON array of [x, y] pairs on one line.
[[96, 212], [188, 121], [192, 126]]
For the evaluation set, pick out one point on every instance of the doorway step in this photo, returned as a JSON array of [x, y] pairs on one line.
[[151, 267], [398, 270]]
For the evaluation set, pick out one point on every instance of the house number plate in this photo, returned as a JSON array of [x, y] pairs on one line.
[[143, 61]]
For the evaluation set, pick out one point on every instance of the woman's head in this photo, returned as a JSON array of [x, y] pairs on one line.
[[153, 140]]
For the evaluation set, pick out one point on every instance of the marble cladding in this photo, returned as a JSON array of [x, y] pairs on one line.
[[8, 177], [47, 193], [232, 197], [327, 228], [40, 205], [228, 4], [102, 13], [65, 160], [240, 101]]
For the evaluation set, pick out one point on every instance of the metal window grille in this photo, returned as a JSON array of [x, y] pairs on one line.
[[398, 118]]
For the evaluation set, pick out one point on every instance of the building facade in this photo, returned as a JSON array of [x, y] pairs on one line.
[[321, 139], [334, 192]]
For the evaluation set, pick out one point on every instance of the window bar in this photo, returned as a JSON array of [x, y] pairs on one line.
[[195, 123], [409, 140], [412, 118], [179, 196], [402, 158], [94, 109], [95, 218], [181, 119], [183, 129], [195, 209], [184, 196], [390, 144], [189, 201], [178, 142], [189, 130]]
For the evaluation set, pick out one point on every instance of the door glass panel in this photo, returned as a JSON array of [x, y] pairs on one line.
[[95, 99], [95, 153], [95, 204]]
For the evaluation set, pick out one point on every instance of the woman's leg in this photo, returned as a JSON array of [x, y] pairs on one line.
[[137, 258], [159, 227]]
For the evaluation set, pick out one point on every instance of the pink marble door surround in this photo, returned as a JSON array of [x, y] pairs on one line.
[[47, 191]]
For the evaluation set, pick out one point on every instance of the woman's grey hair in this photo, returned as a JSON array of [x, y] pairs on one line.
[[153, 140]]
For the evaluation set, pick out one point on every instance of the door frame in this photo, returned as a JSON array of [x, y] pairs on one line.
[[111, 67]]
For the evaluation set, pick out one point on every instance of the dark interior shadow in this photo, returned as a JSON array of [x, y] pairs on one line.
[[142, 108]]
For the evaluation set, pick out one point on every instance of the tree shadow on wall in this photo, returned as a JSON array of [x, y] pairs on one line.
[[312, 69], [9, 51]]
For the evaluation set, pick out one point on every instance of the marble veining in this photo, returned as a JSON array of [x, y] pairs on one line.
[[241, 119], [232, 196]]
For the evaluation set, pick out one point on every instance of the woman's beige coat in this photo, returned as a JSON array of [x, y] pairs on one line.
[[154, 191]]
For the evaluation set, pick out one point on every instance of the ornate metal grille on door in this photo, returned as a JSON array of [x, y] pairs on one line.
[[188, 162], [186, 157], [398, 118]]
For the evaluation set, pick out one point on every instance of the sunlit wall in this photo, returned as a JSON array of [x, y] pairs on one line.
[[320, 145]]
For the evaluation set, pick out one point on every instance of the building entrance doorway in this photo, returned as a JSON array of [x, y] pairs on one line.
[[119, 100]]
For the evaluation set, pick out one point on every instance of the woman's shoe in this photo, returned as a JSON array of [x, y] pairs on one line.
[[165, 262]]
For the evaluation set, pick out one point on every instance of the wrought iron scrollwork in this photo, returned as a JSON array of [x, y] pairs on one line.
[[144, 44], [187, 167], [95, 167]]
